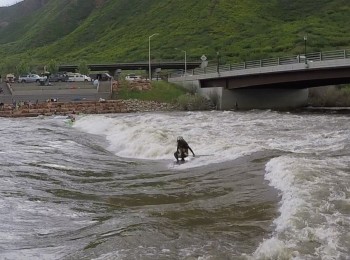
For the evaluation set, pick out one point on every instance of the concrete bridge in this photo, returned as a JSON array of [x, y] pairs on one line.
[[280, 83]]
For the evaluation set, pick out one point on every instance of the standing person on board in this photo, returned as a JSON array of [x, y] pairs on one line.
[[182, 149]]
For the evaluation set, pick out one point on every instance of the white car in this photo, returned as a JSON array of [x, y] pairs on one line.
[[30, 78], [131, 77], [78, 77]]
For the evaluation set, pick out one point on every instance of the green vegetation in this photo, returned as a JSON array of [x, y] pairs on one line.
[[83, 67], [161, 91], [39, 33], [194, 102], [332, 96], [165, 92], [52, 66], [96, 31]]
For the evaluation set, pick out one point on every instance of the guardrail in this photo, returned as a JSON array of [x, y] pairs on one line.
[[269, 62]]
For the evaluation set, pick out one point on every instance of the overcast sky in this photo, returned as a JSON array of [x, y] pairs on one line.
[[9, 2]]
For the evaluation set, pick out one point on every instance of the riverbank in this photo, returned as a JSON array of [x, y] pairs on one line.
[[330, 96], [325, 110], [85, 107], [119, 106]]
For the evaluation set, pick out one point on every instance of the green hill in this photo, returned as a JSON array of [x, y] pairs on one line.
[[96, 31]]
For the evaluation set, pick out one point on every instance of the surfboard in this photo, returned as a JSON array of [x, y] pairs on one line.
[[180, 162], [69, 122]]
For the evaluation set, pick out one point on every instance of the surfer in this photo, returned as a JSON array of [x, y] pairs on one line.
[[71, 117], [182, 149]]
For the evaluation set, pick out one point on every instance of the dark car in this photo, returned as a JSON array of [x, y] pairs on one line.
[[58, 77], [100, 76]]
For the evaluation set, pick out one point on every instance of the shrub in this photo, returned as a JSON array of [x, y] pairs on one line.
[[215, 99], [160, 91], [163, 91], [194, 102], [330, 96]]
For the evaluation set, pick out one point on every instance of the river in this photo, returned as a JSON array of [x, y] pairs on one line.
[[263, 185]]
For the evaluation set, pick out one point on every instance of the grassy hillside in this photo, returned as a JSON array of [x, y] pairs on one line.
[[71, 31]]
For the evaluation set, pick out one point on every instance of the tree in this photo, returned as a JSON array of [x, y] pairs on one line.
[[52, 67], [9, 66], [22, 67], [83, 68]]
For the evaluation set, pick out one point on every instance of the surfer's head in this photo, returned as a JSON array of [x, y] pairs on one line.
[[180, 138]]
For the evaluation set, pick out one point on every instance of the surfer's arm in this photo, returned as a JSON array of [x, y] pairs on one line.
[[191, 151]]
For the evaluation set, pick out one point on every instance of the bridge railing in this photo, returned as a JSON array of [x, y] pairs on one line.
[[270, 62], [335, 55]]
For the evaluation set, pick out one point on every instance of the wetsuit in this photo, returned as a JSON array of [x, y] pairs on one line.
[[182, 150]]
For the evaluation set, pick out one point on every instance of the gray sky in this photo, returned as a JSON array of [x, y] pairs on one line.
[[9, 2]]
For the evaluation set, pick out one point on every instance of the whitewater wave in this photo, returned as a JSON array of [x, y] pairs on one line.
[[153, 137], [312, 211]]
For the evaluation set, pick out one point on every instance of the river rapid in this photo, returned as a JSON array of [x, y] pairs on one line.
[[263, 185]]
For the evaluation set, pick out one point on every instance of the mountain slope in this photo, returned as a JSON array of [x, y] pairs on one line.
[[118, 30]]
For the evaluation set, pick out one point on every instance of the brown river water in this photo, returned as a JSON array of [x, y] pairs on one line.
[[263, 185]]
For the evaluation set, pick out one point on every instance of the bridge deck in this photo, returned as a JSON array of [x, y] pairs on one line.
[[319, 69]]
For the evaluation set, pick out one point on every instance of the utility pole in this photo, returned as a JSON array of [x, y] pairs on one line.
[[149, 56], [305, 39]]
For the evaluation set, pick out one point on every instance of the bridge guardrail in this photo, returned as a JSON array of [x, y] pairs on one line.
[[238, 66], [270, 62]]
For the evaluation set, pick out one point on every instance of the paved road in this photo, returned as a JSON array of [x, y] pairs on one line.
[[64, 92]]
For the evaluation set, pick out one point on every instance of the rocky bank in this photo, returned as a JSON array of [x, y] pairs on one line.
[[85, 107]]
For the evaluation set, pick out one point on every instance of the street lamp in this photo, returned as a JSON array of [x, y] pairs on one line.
[[218, 61], [305, 39], [185, 59], [149, 55]]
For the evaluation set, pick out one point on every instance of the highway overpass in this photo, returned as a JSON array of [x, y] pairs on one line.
[[113, 67]]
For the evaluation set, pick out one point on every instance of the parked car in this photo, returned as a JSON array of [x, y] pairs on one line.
[[100, 76], [78, 77], [131, 77], [10, 78], [59, 77], [30, 78]]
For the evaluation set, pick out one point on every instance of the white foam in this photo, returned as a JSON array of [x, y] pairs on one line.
[[214, 136], [305, 215], [153, 136]]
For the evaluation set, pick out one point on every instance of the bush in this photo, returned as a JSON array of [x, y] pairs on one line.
[[215, 99], [160, 91], [330, 96], [194, 102]]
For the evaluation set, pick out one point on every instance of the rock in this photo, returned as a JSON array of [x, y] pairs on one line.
[[86, 107]]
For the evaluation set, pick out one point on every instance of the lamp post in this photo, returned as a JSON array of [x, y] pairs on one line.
[[149, 55], [185, 59], [218, 61], [305, 39]]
